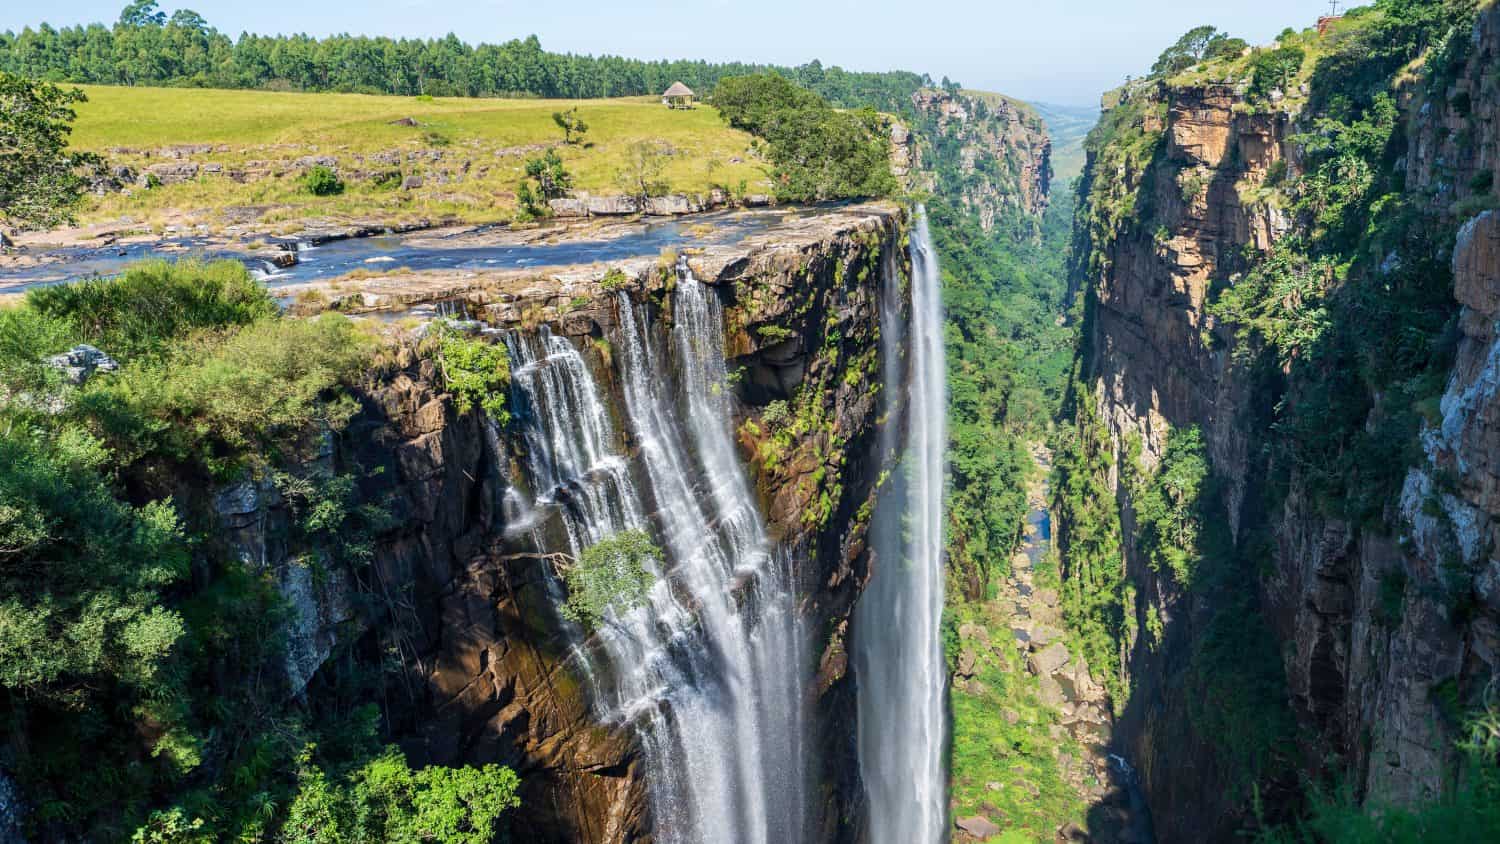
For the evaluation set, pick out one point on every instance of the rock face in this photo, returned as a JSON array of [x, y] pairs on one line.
[[81, 362], [1366, 689], [1003, 146], [486, 672]]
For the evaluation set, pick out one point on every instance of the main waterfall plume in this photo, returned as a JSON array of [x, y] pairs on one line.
[[710, 670], [898, 649]]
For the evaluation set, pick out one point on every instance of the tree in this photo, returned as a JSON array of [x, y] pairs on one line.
[[39, 182], [1275, 70], [1193, 47], [612, 575], [572, 125], [644, 163], [546, 178], [143, 13]]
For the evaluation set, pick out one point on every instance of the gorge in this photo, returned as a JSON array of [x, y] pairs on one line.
[[410, 440]]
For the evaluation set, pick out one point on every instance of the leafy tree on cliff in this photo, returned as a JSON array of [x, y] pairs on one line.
[[39, 182], [1198, 44], [819, 153]]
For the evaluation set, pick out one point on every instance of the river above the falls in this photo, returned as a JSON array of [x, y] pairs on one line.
[[473, 248]]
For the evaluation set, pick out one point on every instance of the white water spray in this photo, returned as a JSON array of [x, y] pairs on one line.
[[710, 670], [898, 647]]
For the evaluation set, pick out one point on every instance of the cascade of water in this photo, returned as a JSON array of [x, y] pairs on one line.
[[898, 649], [710, 668]]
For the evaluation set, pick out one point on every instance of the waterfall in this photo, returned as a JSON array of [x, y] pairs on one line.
[[710, 669], [898, 647]]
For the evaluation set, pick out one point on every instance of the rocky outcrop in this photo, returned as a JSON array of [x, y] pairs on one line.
[[1003, 152]]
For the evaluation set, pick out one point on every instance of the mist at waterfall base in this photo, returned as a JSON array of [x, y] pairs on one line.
[[710, 670], [898, 653]]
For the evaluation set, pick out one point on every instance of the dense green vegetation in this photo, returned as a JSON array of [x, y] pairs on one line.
[[817, 152], [1088, 529], [1007, 364], [139, 661], [39, 180], [148, 47]]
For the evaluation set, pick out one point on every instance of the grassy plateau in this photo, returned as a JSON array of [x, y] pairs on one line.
[[469, 153]]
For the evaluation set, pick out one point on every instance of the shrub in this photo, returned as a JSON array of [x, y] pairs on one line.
[[386, 800], [572, 125], [224, 397], [322, 181], [611, 576], [546, 178], [1275, 69], [151, 305], [476, 372], [615, 279]]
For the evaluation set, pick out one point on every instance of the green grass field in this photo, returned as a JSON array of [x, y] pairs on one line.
[[124, 124]]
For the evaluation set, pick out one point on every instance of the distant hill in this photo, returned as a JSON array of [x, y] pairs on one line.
[[1068, 125]]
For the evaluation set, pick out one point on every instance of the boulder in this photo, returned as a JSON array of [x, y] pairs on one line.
[[568, 207], [968, 631], [411, 182], [758, 200], [1048, 660], [81, 362], [167, 174], [670, 206], [978, 826], [612, 206], [1050, 693], [1072, 833], [966, 660]]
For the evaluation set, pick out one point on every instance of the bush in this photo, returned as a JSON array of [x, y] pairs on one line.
[[546, 178], [224, 397], [322, 181], [1275, 69], [386, 800], [611, 576], [476, 372], [150, 305]]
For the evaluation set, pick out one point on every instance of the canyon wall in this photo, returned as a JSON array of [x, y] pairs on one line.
[[1385, 627], [998, 148]]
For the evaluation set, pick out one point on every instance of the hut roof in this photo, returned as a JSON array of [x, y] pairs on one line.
[[678, 90]]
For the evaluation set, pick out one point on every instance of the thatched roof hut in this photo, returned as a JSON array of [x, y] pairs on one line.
[[678, 96]]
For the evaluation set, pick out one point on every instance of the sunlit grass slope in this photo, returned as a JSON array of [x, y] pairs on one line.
[[481, 144]]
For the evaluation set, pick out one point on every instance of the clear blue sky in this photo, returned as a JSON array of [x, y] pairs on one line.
[[1063, 51]]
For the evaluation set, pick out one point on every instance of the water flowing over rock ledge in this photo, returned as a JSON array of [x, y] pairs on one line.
[[488, 670]]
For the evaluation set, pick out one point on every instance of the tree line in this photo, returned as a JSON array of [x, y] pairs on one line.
[[146, 46]]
